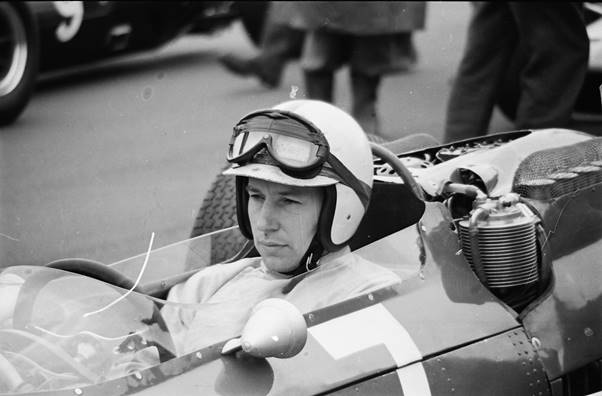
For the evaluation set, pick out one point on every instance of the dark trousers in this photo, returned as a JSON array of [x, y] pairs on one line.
[[555, 48], [279, 45]]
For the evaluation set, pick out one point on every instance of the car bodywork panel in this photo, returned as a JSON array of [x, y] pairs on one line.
[[78, 32], [567, 321], [440, 331]]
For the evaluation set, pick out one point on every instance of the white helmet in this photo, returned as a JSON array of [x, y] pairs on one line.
[[306, 143]]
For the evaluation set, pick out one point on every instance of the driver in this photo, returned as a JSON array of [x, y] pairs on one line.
[[303, 182]]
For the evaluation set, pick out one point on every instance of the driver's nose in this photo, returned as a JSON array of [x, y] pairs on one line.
[[267, 218]]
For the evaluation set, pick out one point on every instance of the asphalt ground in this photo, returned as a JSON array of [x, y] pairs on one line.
[[107, 154]]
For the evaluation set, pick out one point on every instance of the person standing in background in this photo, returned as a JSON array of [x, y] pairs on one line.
[[280, 43], [551, 41], [374, 38]]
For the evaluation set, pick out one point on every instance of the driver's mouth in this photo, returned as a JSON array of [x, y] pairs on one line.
[[271, 244]]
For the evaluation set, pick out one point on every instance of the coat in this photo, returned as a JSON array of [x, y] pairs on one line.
[[351, 17]]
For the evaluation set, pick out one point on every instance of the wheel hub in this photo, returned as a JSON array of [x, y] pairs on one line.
[[13, 49]]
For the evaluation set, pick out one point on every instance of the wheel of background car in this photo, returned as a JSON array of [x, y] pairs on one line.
[[218, 211], [253, 15], [19, 54], [96, 270], [390, 158]]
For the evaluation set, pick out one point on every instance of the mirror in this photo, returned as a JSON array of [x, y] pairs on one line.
[[276, 328]]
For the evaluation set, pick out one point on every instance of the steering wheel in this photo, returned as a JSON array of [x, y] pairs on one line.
[[402, 171], [9, 375], [12, 376], [96, 270], [86, 267]]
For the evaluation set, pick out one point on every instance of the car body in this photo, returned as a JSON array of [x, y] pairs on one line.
[[38, 36], [497, 241]]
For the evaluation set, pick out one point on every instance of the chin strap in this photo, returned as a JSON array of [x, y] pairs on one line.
[[310, 259]]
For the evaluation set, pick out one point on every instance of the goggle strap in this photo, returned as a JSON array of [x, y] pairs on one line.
[[361, 189]]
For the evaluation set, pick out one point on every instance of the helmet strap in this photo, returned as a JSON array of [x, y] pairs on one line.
[[308, 263], [310, 259]]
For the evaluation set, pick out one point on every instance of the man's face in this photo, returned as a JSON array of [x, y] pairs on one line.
[[284, 219]]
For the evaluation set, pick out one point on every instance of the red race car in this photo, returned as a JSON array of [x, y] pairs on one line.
[[497, 241]]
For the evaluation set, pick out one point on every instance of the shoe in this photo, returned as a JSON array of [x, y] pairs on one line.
[[247, 67]]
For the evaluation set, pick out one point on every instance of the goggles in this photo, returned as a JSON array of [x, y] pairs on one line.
[[296, 146]]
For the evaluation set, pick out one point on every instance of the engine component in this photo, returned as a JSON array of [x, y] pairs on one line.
[[588, 175], [565, 183], [500, 243]]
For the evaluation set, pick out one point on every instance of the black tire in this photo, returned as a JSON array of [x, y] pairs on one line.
[[253, 17], [20, 46], [218, 211]]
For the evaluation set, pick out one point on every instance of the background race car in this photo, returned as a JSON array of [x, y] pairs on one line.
[[38, 36]]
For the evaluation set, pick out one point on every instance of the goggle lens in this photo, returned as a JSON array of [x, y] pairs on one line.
[[288, 150]]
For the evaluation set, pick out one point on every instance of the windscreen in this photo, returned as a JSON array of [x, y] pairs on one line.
[[59, 329]]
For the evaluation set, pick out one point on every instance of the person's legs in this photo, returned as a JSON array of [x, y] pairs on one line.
[[323, 53], [279, 44], [364, 96], [319, 84], [371, 58], [557, 45], [490, 42]]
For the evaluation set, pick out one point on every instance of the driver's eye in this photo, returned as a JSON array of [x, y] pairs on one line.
[[255, 196]]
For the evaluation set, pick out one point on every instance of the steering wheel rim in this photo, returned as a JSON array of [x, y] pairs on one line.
[[95, 269], [58, 352], [402, 171], [85, 267], [9, 375]]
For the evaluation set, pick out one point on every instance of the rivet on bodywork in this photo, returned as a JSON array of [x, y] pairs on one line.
[[588, 332], [198, 355], [78, 391], [535, 342]]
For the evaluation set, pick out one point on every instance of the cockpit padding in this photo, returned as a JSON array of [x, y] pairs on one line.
[[392, 208]]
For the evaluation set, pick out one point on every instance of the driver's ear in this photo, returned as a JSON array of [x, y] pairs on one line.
[[242, 202]]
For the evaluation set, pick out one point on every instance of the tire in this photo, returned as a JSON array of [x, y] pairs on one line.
[[218, 211], [18, 28]]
